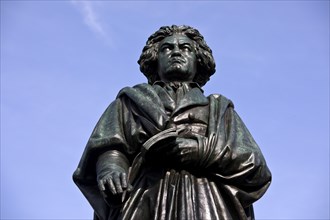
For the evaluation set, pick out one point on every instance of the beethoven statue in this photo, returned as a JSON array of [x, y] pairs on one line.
[[164, 150]]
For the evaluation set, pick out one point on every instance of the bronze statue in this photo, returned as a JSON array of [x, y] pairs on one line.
[[163, 150]]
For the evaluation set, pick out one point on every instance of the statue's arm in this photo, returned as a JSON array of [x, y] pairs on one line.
[[119, 133], [238, 162]]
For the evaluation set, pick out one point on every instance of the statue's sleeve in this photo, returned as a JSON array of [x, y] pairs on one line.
[[236, 160], [110, 133]]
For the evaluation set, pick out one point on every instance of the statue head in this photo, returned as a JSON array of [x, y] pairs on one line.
[[201, 53]]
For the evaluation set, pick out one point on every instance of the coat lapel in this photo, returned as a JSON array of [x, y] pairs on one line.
[[166, 97]]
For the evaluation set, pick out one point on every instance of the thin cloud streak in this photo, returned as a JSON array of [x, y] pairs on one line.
[[90, 18]]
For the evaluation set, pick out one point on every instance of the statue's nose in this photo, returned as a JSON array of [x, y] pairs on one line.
[[176, 52]]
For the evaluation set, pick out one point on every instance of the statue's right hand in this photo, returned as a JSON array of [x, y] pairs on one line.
[[113, 181]]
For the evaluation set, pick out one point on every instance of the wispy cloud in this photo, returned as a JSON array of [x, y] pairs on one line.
[[91, 18]]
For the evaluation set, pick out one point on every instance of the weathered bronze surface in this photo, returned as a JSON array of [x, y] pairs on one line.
[[163, 150]]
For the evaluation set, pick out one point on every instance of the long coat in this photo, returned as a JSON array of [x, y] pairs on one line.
[[228, 177]]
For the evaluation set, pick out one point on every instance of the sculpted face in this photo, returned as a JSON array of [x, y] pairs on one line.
[[177, 59]]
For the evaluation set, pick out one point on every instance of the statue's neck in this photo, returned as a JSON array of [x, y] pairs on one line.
[[175, 84]]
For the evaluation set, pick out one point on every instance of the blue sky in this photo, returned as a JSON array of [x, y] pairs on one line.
[[63, 62]]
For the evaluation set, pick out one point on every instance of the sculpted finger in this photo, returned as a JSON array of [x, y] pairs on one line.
[[123, 178], [182, 144], [111, 186], [179, 141], [101, 185], [103, 189], [117, 183], [129, 188], [185, 151]]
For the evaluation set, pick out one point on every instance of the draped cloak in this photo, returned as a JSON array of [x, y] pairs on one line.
[[231, 172]]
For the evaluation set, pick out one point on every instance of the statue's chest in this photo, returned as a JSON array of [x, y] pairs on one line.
[[196, 118]]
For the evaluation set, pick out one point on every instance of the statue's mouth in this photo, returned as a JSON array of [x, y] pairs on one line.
[[177, 60]]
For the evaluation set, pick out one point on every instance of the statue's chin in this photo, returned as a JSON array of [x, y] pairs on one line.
[[177, 75]]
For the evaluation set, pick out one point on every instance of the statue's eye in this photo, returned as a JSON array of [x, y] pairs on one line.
[[186, 48], [165, 48]]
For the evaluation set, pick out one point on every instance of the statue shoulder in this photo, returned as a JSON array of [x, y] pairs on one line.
[[221, 99], [134, 89]]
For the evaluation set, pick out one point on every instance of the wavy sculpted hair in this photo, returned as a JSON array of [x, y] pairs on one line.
[[149, 57]]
